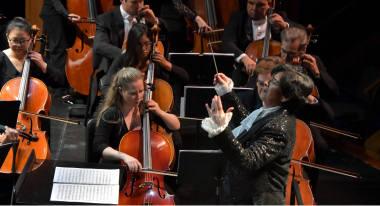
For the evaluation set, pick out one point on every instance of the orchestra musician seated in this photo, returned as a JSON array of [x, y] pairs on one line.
[[293, 43], [247, 26], [121, 113], [19, 35], [260, 149], [137, 55]]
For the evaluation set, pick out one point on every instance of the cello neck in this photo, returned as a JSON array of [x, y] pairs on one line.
[[268, 29], [23, 90], [91, 6], [147, 148]]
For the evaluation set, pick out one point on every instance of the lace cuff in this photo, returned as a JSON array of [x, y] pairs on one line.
[[223, 89], [217, 124]]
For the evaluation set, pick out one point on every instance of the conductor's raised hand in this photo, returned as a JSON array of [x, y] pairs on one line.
[[216, 112], [222, 79]]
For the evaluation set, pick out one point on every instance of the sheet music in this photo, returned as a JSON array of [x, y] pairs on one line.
[[86, 185], [104, 194], [86, 176]]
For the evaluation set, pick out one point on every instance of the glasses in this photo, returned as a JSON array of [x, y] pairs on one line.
[[16, 42], [273, 81], [289, 54], [146, 44]]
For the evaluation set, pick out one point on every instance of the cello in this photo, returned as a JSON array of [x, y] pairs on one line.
[[153, 150], [264, 47], [303, 150], [79, 56], [34, 98], [217, 14]]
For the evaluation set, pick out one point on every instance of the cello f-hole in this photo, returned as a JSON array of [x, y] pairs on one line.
[[133, 187], [31, 125], [158, 187]]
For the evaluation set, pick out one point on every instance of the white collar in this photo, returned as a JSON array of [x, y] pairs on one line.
[[124, 14], [248, 121], [260, 22]]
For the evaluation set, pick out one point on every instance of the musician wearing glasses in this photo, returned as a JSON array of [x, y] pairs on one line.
[[247, 26], [293, 42], [260, 148], [19, 35], [137, 55], [112, 30]]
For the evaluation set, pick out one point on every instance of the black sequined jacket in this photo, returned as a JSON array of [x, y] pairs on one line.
[[259, 165]]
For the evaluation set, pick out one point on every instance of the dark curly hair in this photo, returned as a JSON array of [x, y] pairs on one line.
[[294, 84]]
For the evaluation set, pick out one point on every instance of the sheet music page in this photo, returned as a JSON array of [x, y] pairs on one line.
[[86, 176], [103, 194]]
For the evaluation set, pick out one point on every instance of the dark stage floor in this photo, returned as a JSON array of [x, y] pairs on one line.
[[68, 143]]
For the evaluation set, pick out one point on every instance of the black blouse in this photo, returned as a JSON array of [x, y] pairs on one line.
[[176, 76], [53, 77], [109, 134]]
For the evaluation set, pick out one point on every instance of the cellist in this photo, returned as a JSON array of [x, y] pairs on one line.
[[122, 112], [19, 34], [247, 26], [112, 29]]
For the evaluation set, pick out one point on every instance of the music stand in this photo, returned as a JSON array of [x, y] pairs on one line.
[[25, 171], [4, 149], [202, 167], [9, 113]]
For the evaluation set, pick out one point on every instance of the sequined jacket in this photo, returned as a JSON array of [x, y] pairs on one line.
[[259, 166]]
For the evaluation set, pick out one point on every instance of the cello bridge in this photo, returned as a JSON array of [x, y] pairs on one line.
[[149, 184]]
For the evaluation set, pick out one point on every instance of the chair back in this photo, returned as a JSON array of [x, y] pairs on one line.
[[90, 135]]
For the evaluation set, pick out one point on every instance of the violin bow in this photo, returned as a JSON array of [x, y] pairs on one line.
[[328, 169]]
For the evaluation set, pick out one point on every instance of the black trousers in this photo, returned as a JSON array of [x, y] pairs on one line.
[[55, 26]]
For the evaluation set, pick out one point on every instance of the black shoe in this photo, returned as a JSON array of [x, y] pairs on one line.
[[67, 100]]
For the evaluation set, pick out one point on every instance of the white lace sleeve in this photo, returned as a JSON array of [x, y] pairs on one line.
[[216, 124], [223, 89]]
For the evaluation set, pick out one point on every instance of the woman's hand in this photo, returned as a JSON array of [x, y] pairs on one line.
[[37, 58], [133, 164], [11, 135], [202, 25], [159, 58], [153, 106], [222, 79], [216, 112]]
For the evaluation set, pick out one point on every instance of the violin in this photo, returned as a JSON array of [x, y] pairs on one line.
[[35, 99], [153, 150]]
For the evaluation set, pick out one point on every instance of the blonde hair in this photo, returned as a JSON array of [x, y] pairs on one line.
[[114, 99]]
